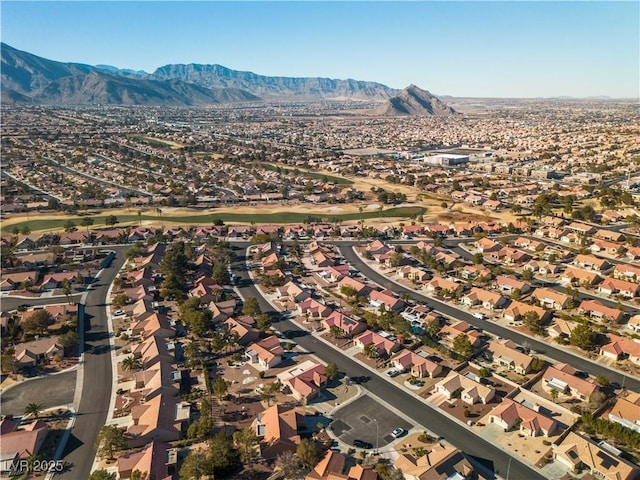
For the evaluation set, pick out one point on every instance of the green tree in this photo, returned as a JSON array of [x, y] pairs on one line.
[[26, 230], [102, 474], [308, 453], [582, 337], [86, 222], [131, 364], [38, 322], [224, 456], [70, 226], [247, 441], [111, 220], [110, 440], [371, 351], [462, 346], [251, 307], [33, 409], [196, 466], [66, 289], [69, 339], [220, 388], [532, 321], [331, 371]]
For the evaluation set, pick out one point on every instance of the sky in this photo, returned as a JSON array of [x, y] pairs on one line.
[[467, 49]]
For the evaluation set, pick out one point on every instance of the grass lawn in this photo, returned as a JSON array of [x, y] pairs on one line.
[[45, 224]]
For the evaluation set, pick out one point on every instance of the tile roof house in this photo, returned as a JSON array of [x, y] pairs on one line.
[[611, 286], [313, 309], [346, 324], [627, 272], [449, 332], [408, 361], [506, 355], [597, 311], [333, 466], [549, 298], [509, 283], [385, 297], [20, 442], [562, 378], [489, 300], [578, 452], [278, 429], [471, 391], [305, 381], [440, 462], [153, 460], [154, 324], [384, 345], [577, 276], [619, 348], [517, 310], [28, 354], [591, 262], [245, 330], [439, 284], [510, 414], [265, 354], [162, 419], [626, 411]]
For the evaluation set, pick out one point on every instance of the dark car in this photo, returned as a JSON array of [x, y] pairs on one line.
[[362, 444]]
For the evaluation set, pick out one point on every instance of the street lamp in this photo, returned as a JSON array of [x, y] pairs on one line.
[[377, 434]]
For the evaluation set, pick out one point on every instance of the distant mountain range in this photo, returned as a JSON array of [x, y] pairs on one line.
[[27, 78], [415, 101]]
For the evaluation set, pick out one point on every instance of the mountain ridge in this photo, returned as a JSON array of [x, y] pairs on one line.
[[414, 101]]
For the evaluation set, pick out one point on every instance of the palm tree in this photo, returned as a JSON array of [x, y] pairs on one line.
[[131, 364], [161, 222], [34, 408], [139, 218], [371, 351], [66, 289], [86, 222]]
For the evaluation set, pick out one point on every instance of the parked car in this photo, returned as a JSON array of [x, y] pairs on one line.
[[362, 444], [480, 316], [118, 313], [397, 432], [393, 373]]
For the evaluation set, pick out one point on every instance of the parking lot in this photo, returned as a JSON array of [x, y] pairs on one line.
[[366, 420]]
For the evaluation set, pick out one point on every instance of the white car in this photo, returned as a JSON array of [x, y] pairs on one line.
[[397, 432], [480, 316], [118, 313]]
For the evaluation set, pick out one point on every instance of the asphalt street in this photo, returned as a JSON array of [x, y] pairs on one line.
[[50, 391], [539, 346], [96, 388], [421, 412]]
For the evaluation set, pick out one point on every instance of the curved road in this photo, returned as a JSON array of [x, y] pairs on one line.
[[419, 411], [541, 347]]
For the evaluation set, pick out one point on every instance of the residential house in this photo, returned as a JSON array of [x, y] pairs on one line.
[[469, 272], [359, 288], [470, 389], [579, 453], [347, 325], [413, 273], [154, 324], [153, 460], [619, 348], [562, 378], [440, 462], [335, 273], [419, 315], [626, 411], [549, 298], [516, 311], [582, 228], [157, 349], [418, 366], [603, 246], [486, 245], [333, 466], [488, 300], [14, 281], [278, 429], [29, 354], [20, 442], [292, 291], [244, 329], [506, 354], [597, 311], [509, 284], [583, 278], [313, 309], [613, 286], [610, 235], [162, 419], [385, 297], [265, 354], [385, 346], [448, 333], [634, 324], [305, 381], [591, 262], [439, 285], [627, 272], [54, 280], [532, 423]]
